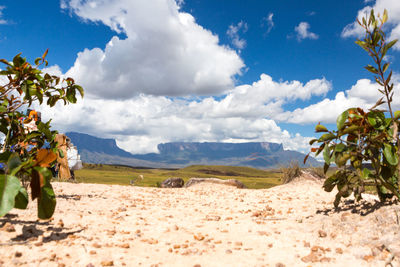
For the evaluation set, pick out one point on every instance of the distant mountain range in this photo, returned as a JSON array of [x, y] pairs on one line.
[[180, 154]]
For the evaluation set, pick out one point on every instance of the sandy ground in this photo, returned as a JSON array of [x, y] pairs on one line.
[[204, 225]]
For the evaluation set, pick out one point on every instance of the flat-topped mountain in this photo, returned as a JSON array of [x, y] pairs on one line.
[[179, 154]]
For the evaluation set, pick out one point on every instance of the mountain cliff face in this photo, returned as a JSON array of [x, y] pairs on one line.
[[95, 144], [180, 154]]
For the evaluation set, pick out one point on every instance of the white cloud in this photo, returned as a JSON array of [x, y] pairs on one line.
[[363, 94], [165, 52], [245, 114], [2, 21], [393, 9], [269, 22], [233, 33], [302, 32]]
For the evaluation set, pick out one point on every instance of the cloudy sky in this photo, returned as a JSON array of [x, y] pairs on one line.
[[201, 70]]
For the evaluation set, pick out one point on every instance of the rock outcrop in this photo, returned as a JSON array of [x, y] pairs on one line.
[[174, 182], [231, 182]]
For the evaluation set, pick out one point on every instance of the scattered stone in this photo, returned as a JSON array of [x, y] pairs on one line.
[[280, 265], [174, 182], [8, 227], [96, 245], [124, 245], [18, 254], [107, 263], [198, 237], [322, 233], [339, 250], [213, 217], [60, 223], [228, 251]]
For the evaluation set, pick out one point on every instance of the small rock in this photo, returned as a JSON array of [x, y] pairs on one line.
[[107, 263], [280, 265], [322, 234], [174, 182], [60, 223], [90, 265], [18, 254], [96, 245], [368, 258], [125, 245], [199, 237], [339, 250], [228, 251], [8, 227]]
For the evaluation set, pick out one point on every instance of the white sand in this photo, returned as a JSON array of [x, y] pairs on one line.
[[204, 225]]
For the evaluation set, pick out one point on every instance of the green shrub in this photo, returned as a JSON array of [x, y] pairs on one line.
[[22, 155], [365, 136]]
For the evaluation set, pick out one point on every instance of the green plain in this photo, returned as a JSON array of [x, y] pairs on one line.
[[123, 175]]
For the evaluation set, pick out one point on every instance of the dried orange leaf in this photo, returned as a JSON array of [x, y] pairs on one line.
[[45, 157]]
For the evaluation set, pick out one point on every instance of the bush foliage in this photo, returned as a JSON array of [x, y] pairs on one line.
[[23, 156], [365, 137]]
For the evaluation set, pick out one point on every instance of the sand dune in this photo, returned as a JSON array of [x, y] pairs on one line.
[[204, 225]]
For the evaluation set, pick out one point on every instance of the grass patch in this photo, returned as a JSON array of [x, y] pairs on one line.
[[122, 175]]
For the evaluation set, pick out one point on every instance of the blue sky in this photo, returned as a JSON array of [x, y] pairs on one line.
[[231, 71]]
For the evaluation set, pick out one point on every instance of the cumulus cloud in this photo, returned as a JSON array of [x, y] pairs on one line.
[[2, 21], [302, 32], [165, 52], [268, 22], [246, 113], [363, 94], [233, 33], [393, 8]]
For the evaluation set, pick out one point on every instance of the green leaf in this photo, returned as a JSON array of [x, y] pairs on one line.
[[341, 159], [330, 183], [47, 199], [390, 44], [21, 199], [342, 119], [385, 67], [340, 147], [397, 114], [366, 173], [371, 69], [351, 129], [326, 137], [13, 164], [9, 188], [390, 154], [327, 156], [4, 157], [320, 128], [312, 141], [385, 16], [337, 200], [326, 167], [37, 60], [80, 89], [377, 119]]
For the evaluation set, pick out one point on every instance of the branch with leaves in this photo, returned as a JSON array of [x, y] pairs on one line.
[[363, 137], [23, 156]]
